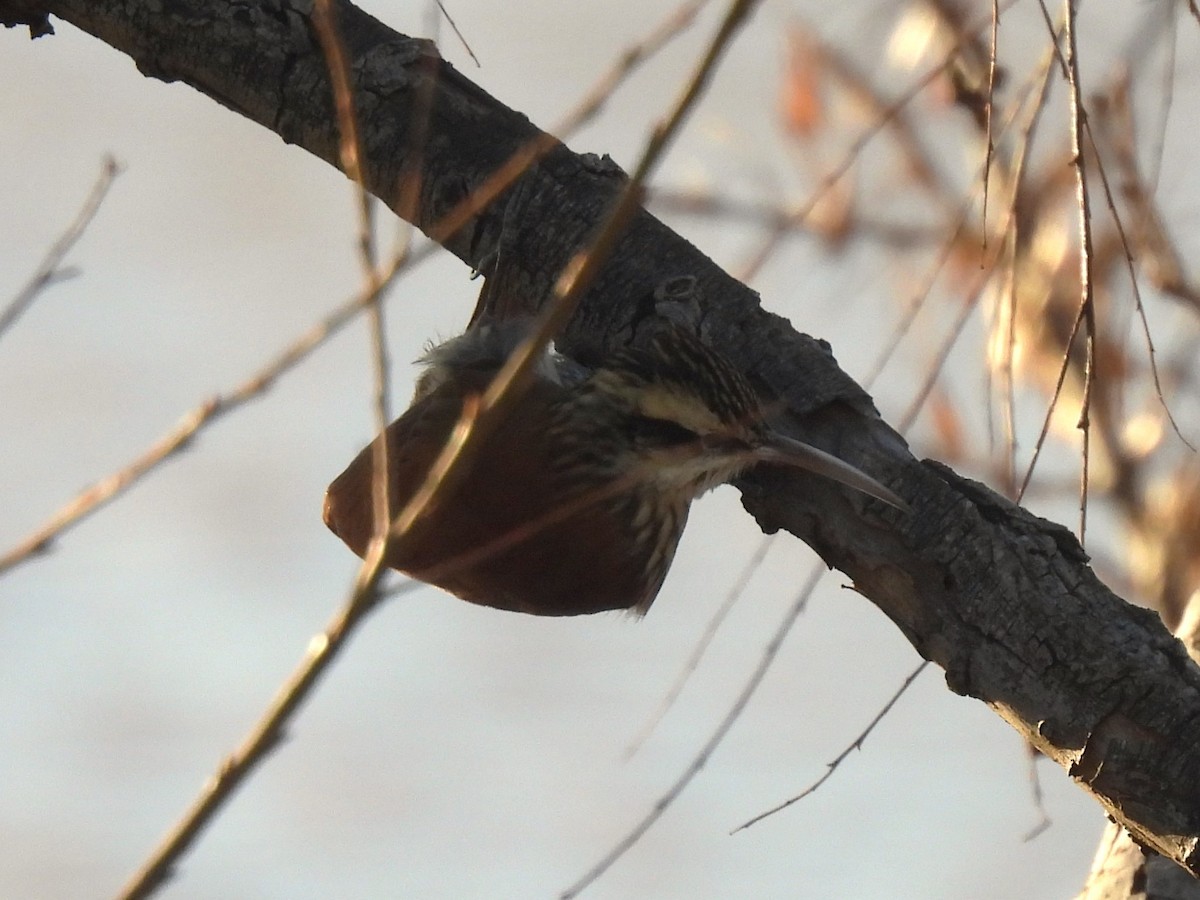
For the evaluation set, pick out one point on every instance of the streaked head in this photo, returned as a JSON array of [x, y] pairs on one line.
[[693, 421]]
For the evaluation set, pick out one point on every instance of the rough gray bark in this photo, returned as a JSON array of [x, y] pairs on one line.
[[1004, 601]]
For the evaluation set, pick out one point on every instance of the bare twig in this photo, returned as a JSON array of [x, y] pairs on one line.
[[886, 115], [577, 276], [325, 647], [479, 419], [701, 647], [758, 259], [350, 154], [855, 744], [507, 174], [265, 736], [629, 59], [989, 110], [1064, 366], [110, 487], [970, 304], [1007, 299], [1155, 255], [458, 34], [664, 802], [48, 271], [1063, 370], [178, 438], [896, 235], [1087, 299], [919, 297]]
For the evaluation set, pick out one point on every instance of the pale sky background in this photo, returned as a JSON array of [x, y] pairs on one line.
[[454, 751]]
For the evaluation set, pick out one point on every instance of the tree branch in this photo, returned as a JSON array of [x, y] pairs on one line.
[[1002, 600]]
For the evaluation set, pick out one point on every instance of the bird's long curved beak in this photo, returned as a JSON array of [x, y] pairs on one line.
[[790, 452]]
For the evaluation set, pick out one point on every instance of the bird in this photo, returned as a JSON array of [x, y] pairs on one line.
[[576, 502]]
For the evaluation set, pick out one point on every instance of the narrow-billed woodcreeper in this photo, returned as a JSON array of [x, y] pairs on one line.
[[576, 502]]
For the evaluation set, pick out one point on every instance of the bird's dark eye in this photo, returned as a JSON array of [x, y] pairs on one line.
[[661, 432]]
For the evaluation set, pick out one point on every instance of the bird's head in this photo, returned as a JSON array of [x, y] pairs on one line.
[[691, 420]]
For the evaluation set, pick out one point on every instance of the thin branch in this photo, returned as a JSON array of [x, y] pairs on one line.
[[1063, 369], [519, 162], [959, 224], [178, 438], [920, 296], [855, 744], [894, 234], [759, 258], [1131, 268], [664, 802], [1008, 297], [479, 419], [48, 271], [630, 58], [969, 305], [1066, 63], [458, 34], [325, 647], [112, 486], [1087, 297], [265, 736], [349, 144], [575, 279], [989, 112], [889, 115], [701, 647], [1053, 31], [350, 154]]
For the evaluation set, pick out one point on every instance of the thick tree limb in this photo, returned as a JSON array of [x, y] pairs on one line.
[[1002, 600]]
